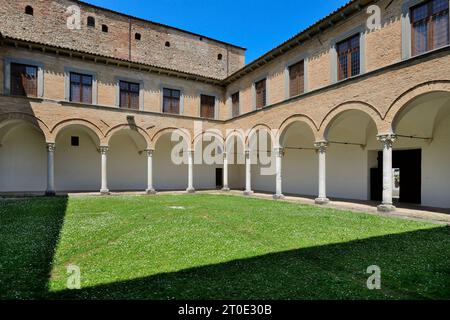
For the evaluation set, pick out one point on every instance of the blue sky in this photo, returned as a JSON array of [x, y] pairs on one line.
[[258, 28]]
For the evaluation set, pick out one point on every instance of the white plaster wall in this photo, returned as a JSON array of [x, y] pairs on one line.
[[436, 168], [300, 172], [77, 168], [347, 172], [262, 182], [166, 175], [127, 164], [23, 160], [236, 176], [205, 176]]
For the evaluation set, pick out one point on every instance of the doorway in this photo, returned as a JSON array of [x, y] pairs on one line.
[[219, 178], [406, 174]]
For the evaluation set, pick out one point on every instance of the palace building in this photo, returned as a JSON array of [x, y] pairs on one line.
[[356, 106]]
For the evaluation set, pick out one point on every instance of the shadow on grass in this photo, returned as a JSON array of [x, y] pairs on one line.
[[414, 265], [29, 234]]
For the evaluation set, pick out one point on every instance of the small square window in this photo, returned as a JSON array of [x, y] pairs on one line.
[[75, 141], [137, 36], [104, 28]]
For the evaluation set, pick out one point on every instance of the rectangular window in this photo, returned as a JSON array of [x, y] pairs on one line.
[[171, 101], [429, 26], [129, 95], [207, 106], [235, 104], [260, 90], [24, 80], [80, 88], [297, 79], [348, 52], [75, 141]]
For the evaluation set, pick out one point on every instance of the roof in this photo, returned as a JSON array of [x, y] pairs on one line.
[[330, 20]]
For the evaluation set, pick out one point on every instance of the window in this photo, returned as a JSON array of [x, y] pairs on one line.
[[429, 26], [29, 10], [129, 95], [24, 80], [167, 44], [207, 106], [75, 141], [297, 79], [104, 28], [91, 22], [260, 90], [80, 88], [348, 55], [137, 36], [219, 57], [235, 104], [171, 101]]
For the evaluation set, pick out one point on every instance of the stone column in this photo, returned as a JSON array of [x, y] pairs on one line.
[[387, 140], [50, 170], [150, 189], [248, 174], [322, 152], [225, 173], [279, 183], [190, 188], [104, 188]]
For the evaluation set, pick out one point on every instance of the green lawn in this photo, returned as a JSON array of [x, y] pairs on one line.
[[214, 247]]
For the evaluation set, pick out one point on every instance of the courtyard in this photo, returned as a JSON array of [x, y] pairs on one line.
[[206, 246]]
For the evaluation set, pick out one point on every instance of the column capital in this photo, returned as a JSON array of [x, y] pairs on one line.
[[247, 153], [103, 149], [387, 139], [149, 152], [50, 146], [278, 151], [321, 146]]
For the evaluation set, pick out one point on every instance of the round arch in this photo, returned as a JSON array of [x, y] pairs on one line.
[[298, 118], [140, 132], [184, 133], [402, 101], [37, 123], [93, 131], [260, 127], [337, 111]]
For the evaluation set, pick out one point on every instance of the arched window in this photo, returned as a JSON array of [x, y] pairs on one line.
[[219, 57], [167, 44], [137, 36], [91, 22], [29, 10]]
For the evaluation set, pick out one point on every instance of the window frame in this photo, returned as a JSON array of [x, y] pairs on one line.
[[67, 72], [7, 74], [348, 54], [287, 80], [255, 81], [141, 92], [216, 105], [25, 67], [130, 92], [362, 52], [82, 85], [179, 99], [232, 115], [407, 28]]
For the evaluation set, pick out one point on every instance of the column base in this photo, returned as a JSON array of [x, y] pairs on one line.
[[190, 190], [50, 193], [386, 208], [248, 193], [150, 191], [278, 196], [104, 192], [322, 201], [226, 189]]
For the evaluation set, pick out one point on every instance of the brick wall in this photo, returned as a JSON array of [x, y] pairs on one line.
[[187, 52]]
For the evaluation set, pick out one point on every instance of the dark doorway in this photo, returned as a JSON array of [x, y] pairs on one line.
[[219, 178], [409, 163]]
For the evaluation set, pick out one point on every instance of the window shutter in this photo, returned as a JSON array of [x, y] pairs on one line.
[[296, 79]]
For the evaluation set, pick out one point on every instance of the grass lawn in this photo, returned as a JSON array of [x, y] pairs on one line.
[[214, 247]]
